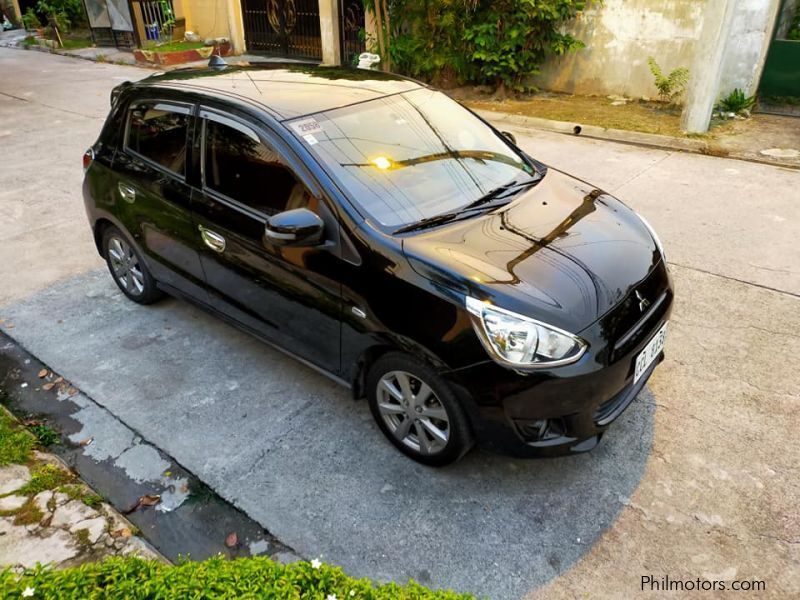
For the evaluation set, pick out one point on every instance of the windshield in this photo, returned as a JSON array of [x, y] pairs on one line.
[[411, 156]]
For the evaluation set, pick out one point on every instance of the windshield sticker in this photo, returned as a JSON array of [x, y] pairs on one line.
[[305, 126], [310, 139]]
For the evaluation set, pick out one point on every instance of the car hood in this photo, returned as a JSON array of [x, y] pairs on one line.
[[563, 252]]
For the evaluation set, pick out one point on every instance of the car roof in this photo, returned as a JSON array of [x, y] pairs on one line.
[[286, 90]]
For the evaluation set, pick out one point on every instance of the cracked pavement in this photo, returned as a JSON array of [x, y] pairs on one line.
[[698, 479]]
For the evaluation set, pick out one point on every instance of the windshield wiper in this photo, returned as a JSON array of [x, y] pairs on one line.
[[498, 192], [429, 222], [481, 203]]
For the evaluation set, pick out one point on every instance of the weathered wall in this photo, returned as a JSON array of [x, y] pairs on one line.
[[619, 36], [207, 18], [750, 35]]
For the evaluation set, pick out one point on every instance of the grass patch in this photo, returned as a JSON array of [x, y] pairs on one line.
[[175, 46], [29, 41], [72, 490], [28, 514], [46, 477], [16, 444], [83, 537], [77, 491], [635, 115], [133, 579], [76, 43], [92, 500]]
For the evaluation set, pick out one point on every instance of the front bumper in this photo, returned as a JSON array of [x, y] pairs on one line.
[[567, 409]]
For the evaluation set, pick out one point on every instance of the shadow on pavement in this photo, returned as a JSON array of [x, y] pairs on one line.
[[297, 454]]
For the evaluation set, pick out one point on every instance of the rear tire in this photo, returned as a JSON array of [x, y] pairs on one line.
[[417, 410], [128, 269]]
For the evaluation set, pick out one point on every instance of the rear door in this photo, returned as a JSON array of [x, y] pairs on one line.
[[153, 194], [290, 295]]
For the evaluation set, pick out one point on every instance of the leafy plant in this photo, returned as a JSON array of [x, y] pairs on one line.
[[134, 579], [55, 14], [30, 21], [45, 435], [736, 102], [670, 87], [497, 42]]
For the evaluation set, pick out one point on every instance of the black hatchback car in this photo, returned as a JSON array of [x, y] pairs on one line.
[[383, 234]]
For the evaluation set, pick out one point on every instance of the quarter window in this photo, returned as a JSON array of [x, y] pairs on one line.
[[250, 172], [158, 132]]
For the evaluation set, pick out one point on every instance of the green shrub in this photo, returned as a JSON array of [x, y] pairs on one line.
[[496, 42], [30, 20], [736, 102], [133, 579], [68, 13], [15, 443], [671, 86], [45, 435], [794, 31]]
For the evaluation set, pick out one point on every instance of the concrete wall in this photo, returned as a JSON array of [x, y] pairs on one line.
[[619, 36], [207, 18], [748, 42]]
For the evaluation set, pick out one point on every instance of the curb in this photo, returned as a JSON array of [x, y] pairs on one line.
[[621, 136]]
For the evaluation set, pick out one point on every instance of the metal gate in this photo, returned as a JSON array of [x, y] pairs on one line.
[[287, 28], [111, 23], [351, 24]]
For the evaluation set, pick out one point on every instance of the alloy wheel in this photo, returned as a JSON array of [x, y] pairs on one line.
[[413, 413], [125, 265]]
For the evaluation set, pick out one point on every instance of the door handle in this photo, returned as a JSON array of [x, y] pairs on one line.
[[212, 239], [127, 192]]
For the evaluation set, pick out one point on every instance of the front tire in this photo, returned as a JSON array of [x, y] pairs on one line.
[[417, 411], [128, 269]]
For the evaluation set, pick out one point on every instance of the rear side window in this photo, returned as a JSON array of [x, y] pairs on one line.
[[238, 165], [158, 132]]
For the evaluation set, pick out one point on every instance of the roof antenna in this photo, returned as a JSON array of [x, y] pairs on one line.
[[217, 62]]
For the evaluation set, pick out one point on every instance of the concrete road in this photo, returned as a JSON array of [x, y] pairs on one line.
[[699, 479]]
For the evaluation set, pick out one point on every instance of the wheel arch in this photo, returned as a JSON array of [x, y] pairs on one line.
[[382, 346], [99, 229]]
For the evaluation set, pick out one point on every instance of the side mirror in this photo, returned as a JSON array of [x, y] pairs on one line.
[[510, 137], [297, 227]]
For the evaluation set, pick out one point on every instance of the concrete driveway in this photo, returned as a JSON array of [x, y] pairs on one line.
[[699, 478]]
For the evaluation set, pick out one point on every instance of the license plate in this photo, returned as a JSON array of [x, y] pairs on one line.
[[650, 353]]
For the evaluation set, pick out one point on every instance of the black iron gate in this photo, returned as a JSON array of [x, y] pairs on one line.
[[351, 24], [283, 27]]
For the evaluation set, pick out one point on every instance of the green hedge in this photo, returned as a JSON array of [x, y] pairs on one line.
[[133, 578]]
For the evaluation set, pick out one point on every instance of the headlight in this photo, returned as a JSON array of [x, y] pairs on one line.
[[656, 239], [518, 341]]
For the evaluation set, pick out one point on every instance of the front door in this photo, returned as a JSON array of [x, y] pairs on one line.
[[153, 196], [290, 295]]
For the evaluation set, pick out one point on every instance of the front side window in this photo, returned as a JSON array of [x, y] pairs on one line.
[[158, 132], [410, 156], [243, 168]]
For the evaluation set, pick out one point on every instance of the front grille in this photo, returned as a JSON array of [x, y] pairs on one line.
[[626, 323]]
